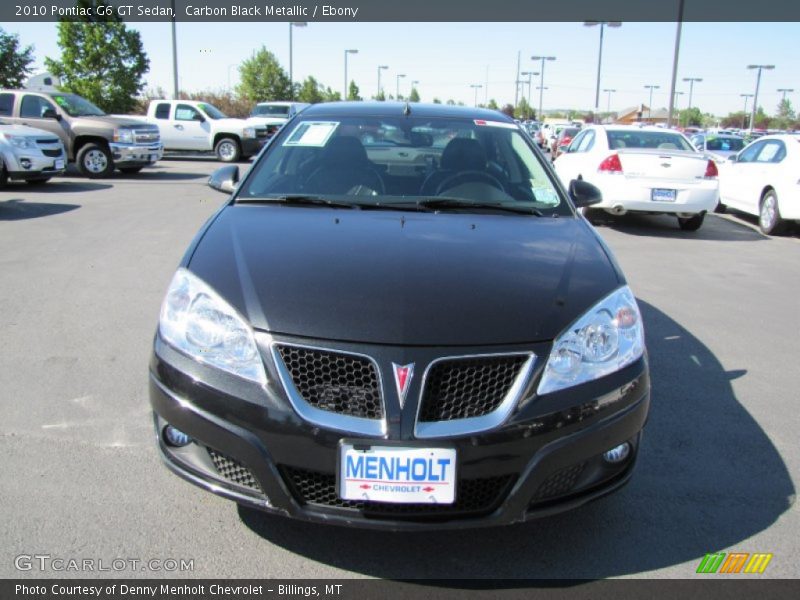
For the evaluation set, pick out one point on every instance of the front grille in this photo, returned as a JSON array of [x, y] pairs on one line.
[[559, 483], [474, 497], [146, 136], [468, 387], [262, 133], [48, 141], [335, 382], [233, 470], [52, 153]]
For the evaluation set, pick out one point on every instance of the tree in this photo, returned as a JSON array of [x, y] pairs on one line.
[[437, 101], [310, 91], [262, 78], [353, 91], [414, 95], [328, 95], [690, 117], [493, 104], [101, 59], [523, 110], [786, 116], [451, 102], [380, 96], [737, 119], [508, 110], [14, 61]]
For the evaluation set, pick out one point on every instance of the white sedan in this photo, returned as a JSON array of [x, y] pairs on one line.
[[764, 180], [643, 169]]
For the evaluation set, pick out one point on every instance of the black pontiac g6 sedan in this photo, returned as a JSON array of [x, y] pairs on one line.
[[399, 321]]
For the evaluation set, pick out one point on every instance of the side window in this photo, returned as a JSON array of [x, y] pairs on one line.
[[162, 110], [773, 151], [6, 104], [33, 107], [587, 142], [576, 141], [184, 112], [749, 154]]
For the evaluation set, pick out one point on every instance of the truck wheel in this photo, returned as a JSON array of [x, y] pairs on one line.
[[94, 161], [227, 150], [130, 170]]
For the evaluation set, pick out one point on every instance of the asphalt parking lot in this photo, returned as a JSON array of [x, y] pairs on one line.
[[84, 265]]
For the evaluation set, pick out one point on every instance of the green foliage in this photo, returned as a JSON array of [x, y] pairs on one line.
[[523, 110], [330, 96], [261, 78], [690, 117], [736, 119], [14, 61], [310, 91], [451, 102], [437, 101], [414, 95], [353, 91], [508, 109], [101, 60], [380, 96], [493, 104]]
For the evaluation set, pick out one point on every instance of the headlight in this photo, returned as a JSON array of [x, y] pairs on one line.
[[20, 141], [608, 337], [249, 132], [197, 321], [123, 136]]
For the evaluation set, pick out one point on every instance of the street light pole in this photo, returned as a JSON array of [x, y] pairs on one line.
[[755, 96], [744, 113], [476, 87], [602, 25], [530, 74], [291, 58], [541, 82], [414, 86], [174, 57], [380, 68], [608, 104], [691, 81], [346, 52], [676, 98], [397, 90], [650, 103], [784, 91]]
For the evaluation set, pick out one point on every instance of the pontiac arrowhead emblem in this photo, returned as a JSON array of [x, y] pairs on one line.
[[402, 379]]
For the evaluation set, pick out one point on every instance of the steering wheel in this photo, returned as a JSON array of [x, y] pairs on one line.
[[469, 177]]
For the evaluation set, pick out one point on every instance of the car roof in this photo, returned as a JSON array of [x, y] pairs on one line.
[[397, 109], [636, 128]]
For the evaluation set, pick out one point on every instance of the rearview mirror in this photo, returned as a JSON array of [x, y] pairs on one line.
[[584, 193], [225, 179]]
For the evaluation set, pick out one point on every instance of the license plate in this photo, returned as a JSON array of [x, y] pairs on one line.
[[397, 474], [661, 195], [59, 163]]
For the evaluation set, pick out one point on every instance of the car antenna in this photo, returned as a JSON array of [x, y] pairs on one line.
[[406, 109]]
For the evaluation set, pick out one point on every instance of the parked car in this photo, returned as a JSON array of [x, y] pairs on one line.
[[29, 154], [445, 344], [718, 146], [191, 126], [273, 115], [643, 169], [563, 140], [97, 142], [762, 180]]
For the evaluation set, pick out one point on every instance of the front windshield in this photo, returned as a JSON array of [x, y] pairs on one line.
[[405, 160], [270, 110], [75, 106], [212, 112], [724, 144]]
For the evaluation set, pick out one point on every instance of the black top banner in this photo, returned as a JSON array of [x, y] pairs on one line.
[[404, 10]]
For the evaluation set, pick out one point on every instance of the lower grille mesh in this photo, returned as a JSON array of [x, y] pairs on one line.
[[559, 483], [474, 497], [463, 388], [333, 381], [233, 470]]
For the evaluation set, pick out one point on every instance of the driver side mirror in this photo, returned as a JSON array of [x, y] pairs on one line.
[[50, 113], [584, 193], [225, 179], [198, 117], [733, 157]]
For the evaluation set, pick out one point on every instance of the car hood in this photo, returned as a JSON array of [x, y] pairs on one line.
[[232, 123], [24, 130], [114, 121], [265, 121], [385, 277]]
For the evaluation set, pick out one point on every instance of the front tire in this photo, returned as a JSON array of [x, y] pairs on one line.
[[769, 215], [692, 223], [228, 150], [95, 161]]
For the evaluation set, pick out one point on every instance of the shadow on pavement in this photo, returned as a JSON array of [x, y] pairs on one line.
[[708, 477], [58, 186], [713, 229], [18, 210], [151, 175]]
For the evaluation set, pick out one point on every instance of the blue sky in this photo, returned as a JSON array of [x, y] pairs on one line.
[[447, 57]]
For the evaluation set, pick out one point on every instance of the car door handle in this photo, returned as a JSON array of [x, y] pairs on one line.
[[178, 126]]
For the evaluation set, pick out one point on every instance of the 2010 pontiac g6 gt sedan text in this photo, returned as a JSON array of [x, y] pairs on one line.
[[399, 321]]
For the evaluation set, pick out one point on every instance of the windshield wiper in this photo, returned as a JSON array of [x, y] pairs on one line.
[[444, 203], [300, 200]]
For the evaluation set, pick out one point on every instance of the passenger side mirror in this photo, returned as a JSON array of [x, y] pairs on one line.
[[584, 193], [198, 117], [50, 113], [225, 179]]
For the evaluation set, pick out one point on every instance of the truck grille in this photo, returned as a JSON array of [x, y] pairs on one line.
[[468, 387], [340, 383], [146, 136], [233, 470], [474, 497], [262, 133]]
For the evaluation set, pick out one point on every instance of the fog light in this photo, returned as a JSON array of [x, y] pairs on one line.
[[175, 437], [25, 163], [618, 453]]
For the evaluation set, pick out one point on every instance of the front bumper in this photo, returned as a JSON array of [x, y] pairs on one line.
[[23, 164], [252, 146], [133, 155], [249, 445]]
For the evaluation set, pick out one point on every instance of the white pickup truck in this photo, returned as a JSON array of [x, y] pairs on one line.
[[191, 126]]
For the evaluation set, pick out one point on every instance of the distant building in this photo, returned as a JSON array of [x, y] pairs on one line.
[[642, 114]]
